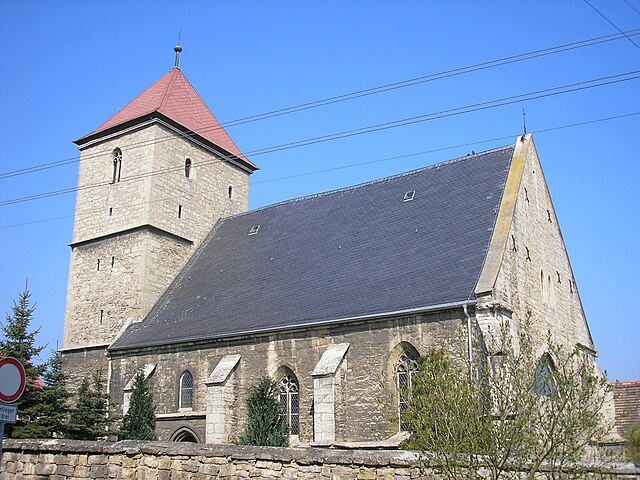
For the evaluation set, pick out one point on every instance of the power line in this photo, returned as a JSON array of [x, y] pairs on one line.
[[452, 112], [442, 149], [87, 214], [357, 94], [435, 76], [611, 23], [632, 7], [554, 91], [369, 162]]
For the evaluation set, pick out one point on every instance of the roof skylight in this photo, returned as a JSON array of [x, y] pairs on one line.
[[409, 196], [254, 230]]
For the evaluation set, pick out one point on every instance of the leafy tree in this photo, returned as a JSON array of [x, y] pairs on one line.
[[445, 415], [88, 419], [265, 424], [632, 444], [139, 422], [521, 414], [20, 343]]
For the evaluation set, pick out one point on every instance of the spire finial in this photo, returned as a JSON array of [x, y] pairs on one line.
[[178, 50]]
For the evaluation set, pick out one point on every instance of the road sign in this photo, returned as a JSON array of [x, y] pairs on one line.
[[8, 413], [12, 379]]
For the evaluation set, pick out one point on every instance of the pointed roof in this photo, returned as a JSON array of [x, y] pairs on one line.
[[173, 97]]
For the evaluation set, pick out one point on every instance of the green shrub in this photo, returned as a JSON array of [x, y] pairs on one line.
[[265, 424]]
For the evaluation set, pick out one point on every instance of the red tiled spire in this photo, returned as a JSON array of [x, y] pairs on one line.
[[175, 98]]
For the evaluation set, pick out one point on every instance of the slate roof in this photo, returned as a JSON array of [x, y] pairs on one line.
[[340, 255], [175, 98]]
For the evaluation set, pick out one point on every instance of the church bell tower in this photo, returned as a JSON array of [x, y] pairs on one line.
[[152, 181]]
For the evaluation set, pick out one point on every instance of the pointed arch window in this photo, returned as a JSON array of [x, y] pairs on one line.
[[406, 369], [186, 390], [544, 383], [187, 168], [289, 402], [117, 165]]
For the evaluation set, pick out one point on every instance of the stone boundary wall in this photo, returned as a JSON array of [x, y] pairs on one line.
[[72, 459]]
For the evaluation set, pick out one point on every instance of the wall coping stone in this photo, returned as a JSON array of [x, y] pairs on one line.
[[299, 455]]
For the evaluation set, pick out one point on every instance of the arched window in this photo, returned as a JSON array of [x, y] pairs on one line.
[[543, 378], [289, 403], [187, 167], [117, 165], [406, 368], [186, 390]]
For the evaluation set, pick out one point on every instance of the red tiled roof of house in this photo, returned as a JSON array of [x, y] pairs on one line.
[[175, 98], [627, 404]]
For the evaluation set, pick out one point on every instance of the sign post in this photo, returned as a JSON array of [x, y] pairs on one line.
[[13, 380]]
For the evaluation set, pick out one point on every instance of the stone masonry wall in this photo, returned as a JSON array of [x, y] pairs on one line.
[[83, 363], [60, 460], [111, 283], [153, 182], [536, 274], [365, 406], [204, 196], [116, 274], [107, 206]]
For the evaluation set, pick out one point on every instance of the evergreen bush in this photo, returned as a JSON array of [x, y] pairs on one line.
[[139, 423], [265, 425]]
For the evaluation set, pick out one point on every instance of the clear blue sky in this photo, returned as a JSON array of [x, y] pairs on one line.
[[67, 66]]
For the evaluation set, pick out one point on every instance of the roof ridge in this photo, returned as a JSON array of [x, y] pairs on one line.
[[165, 94], [368, 183]]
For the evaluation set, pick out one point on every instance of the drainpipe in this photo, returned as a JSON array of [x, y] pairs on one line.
[[469, 342]]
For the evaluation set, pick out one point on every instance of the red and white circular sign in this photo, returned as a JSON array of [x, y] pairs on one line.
[[12, 379]]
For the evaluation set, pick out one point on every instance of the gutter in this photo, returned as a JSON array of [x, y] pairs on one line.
[[303, 326]]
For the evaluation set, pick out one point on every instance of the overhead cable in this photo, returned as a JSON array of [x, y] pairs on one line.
[[554, 91], [352, 95], [369, 162]]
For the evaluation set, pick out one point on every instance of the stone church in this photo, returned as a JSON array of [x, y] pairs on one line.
[[334, 295]]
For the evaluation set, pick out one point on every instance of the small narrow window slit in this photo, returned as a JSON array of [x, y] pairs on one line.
[[110, 211], [230, 191], [98, 269], [179, 211], [113, 261], [187, 168]]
